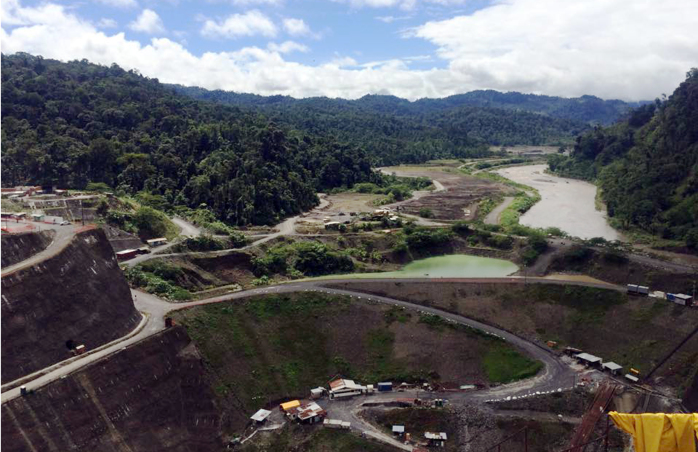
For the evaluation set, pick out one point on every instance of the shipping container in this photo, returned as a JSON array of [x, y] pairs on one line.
[[385, 386]]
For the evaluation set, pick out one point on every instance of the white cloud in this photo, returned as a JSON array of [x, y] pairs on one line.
[[296, 27], [106, 23], [614, 49], [251, 23], [288, 47], [391, 19], [120, 3], [257, 2], [609, 48], [148, 22]]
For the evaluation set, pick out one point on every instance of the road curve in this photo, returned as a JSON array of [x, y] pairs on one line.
[[64, 235], [556, 375]]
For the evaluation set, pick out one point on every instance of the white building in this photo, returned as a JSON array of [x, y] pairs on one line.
[[345, 388]]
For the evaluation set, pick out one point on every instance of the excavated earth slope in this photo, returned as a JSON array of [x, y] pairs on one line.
[[18, 247], [150, 397], [78, 295]]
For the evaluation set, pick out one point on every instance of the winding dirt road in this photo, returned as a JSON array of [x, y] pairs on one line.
[[555, 375]]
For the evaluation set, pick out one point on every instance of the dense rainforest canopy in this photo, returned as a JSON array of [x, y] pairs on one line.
[[646, 165], [395, 130], [69, 124]]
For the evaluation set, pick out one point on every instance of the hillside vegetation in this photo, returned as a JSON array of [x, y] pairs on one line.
[[70, 124], [395, 130], [267, 348], [647, 165]]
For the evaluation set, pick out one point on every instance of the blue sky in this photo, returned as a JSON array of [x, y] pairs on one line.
[[348, 48]]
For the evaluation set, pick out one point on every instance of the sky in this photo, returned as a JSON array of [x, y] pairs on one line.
[[615, 49]]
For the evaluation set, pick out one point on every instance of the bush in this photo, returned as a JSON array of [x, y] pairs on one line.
[[425, 238], [529, 256], [538, 243], [315, 259], [150, 223], [203, 243], [460, 228], [426, 213], [503, 242], [237, 239], [578, 253], [366, 187], [100, 187]]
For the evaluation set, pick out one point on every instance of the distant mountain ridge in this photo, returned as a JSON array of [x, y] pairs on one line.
[[395, 130], [588, 109]]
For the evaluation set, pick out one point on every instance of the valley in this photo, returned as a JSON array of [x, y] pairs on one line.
[[203, 273]]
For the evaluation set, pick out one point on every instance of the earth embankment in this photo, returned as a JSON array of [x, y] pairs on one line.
[[75, 297], [18, 247], [150, 397]]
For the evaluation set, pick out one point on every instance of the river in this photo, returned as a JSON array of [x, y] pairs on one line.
[[565, 203]]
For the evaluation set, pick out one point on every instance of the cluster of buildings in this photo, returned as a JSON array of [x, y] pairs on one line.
[[597, 362], [678, 298]]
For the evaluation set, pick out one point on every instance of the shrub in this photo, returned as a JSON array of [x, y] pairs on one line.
[[150, 223], [98, 187], [503, 242], [425, 238], [460, 228], [203, 243], [425, 212], [237, 239]]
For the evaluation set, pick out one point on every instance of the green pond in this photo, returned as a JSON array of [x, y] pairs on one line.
[[451, 266]]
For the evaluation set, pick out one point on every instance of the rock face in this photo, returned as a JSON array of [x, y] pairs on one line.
[[18, 247], [152, 396], [78, 295]]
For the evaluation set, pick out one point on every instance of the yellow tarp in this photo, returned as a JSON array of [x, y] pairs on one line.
[[292, 404], [659, 432]]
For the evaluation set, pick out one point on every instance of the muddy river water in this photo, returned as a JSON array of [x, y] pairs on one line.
[[565, 203]]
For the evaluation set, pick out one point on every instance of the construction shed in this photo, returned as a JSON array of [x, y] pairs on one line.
[[436, 439], [290, 405], [614, 368], [588, 359], [316, 393], [336, 423], [260, 417], [307, 413], [345, 388], [398, 430], [385, 386]]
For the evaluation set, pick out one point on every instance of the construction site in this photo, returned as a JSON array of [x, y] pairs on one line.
[[519, 362]]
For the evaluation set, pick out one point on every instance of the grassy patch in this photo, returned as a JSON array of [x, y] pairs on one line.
[[504, 364]]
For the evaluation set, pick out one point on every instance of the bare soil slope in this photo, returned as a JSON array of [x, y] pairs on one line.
[[150, 397], [632, 331], [18, 247], [79, 294], [269, 348]]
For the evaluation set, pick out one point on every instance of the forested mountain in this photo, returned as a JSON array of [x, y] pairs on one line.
[[395, 130], [73, 123], [647, 165]]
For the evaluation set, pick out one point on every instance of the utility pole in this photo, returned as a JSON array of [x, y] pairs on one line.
[[82, 213]]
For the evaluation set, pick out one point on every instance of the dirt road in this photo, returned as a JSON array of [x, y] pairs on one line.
[[493, 217], [555, 375], [63, 236]]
